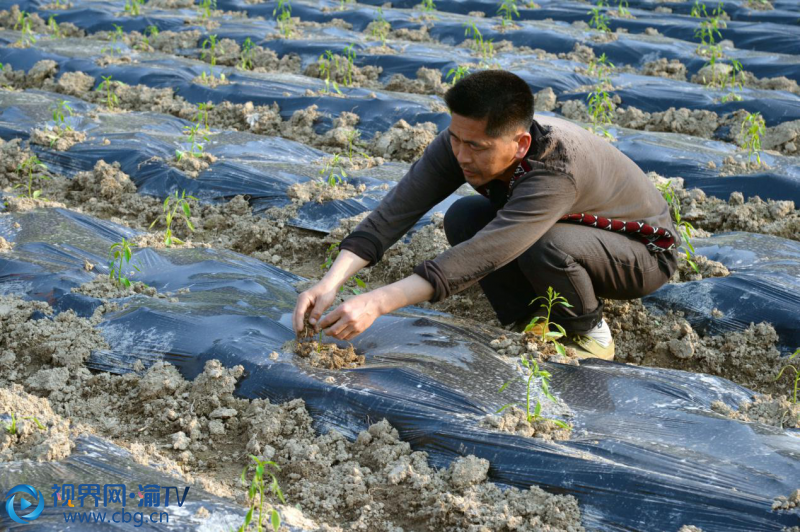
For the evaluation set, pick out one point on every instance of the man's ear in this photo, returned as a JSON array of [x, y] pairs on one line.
[[523, 144]]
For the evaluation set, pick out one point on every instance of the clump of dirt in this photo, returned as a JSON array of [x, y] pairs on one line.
[[780, 83], [531, 345], [696, 122], [747, 357], [9, 18], [193, 165], [707, 268], [228, 52], [170, 4], [41, 72], [345, 73], [410, 34], [156, 241], [327, 355], [5, 245], [784, 138], [104, 287], [787, 503], [580, 53], [403, 142], [663, 68], [778, 412], [688, 528], [738, 165], [74, 84], [211, 80], [545, 100], [321, 191], [39, 434], [26, 203], [12, 155], [106, 60], [514, 420], [429, 81], [57, 138]]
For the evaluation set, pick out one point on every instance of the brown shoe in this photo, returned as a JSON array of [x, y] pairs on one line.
[[589, 347]]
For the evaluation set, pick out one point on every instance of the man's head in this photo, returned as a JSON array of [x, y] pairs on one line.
[[492, 112]]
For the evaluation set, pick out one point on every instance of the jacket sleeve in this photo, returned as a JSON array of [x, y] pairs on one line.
[[538, 201], [429, 180]]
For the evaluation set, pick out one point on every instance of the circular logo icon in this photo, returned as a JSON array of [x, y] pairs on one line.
[[23, 503]]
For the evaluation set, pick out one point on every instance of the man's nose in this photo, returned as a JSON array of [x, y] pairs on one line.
[[463, 156]]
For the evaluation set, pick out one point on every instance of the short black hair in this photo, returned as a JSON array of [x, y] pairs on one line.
[[503, 97]]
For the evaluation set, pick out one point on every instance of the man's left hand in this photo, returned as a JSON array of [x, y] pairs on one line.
[[352, 317]]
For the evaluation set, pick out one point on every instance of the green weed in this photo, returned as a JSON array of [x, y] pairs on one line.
[[507, 11], [601, 111], [333, 173], [796, 375], [58, 114], [24, 25], [202, 114], [53, 27], [209, 49], [479, 44], [622, 8], [196, 148], [29, 166], [116, 37], [601, 68], [284, 17], [11, 428], [327, 62], [133, 8], [380, 28], [552, 299], [599, 20], [752, 129], [683, 227], [111, 99], [206, 9], [534, 372], [353, 137], [257, 486], [428, 8], [709, 30], [149, 33], [119, 255], [180, 207], [457, 73], [246, 55]]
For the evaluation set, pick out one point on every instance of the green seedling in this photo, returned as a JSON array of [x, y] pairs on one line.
[[202, 114], [119, 255], [11, 428], [601, 111], [534, 372], [428, 8], [507, 11], [246, 55], [29, 166], [601, 68], [333, 173], [752, 130], [602, 3], [58, 114], [353, 137], [209, 49], [380, 28], [192, 133], [53, 27], [756, 3], [149, 33], [599, 20], [350, 57], [327, 62], [796, 375], [180, 207], [684, 228], [283, 14], [479, 44], [206, 9], [343, 3], [257, 486], [552, 299], [111, 98], [622, 8], [116, 37], [207, 78], [133, 7], [709, 30], [329, 258], [27, 38], [457, 74]]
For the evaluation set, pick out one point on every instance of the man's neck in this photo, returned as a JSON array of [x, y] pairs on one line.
[[506, 176]]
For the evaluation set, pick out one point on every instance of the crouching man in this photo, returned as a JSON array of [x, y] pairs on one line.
[[557, 207]]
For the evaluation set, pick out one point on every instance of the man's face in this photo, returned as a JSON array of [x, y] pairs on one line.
[[481, 157]]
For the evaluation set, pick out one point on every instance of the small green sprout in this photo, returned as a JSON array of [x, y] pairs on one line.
[[380, 28], [534, 373], [257, 486], [11, 428], [683, 227], [327, 62], [796, 375], [134, 7], [192, 132], [601, 110], [111, 98], [752, 129], [119, 255], [206, 8], [507, 11], [457, 73], [58, 114], [599, 20], [202, 114], [350, 57], [246, 55], [29, 166], [600, 68], [343, 3], [334, 177], [179, 207], [52, 25], [622, 9], [209, 49], [117, 36], [283, 14], [709, 30], [552, 299], [353, 137], [23, 24], [479, 44]]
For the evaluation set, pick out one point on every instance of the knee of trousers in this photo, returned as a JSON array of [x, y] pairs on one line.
[[545, 253], [466, 217]]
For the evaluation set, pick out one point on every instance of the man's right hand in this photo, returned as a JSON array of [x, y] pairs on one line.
[[313, 302]]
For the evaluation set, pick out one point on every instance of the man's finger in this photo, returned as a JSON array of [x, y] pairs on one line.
[[303, 302], [339, 325], [316, 313], [330, 318]]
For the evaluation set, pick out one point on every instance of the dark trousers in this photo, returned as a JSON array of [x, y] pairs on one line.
[[583, 264]]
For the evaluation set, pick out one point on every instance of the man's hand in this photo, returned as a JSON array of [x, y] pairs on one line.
[[352, 317], [313, 302]]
